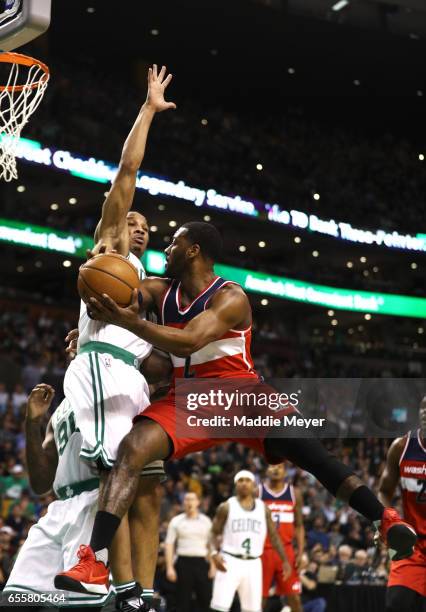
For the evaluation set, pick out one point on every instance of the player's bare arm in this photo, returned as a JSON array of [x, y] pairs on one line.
[[308, 583], [151, 293], [299, 527], [111, 231], [229, 309], [169, 551], [157, 367], [390, 477], [41, 453], [276, 542], [218, 526]]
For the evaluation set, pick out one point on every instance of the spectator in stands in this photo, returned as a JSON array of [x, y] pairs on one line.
[[355, 571], [336, 538], [318, 534], [15, 484], [4, 398], [19, 399], [7, 451], [6, 550], [344, 554], [16, 519], [32, 374], [4, 567], [308, 575], [355, 536]]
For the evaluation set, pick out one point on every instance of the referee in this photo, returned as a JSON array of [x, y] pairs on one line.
[[188, 538]]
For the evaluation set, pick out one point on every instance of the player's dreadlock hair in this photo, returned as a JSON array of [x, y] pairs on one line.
[[206, 236]]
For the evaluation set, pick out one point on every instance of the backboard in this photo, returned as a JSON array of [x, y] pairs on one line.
[[21, 21]]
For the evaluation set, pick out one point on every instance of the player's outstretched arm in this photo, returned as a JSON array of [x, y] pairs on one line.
[[218, 526], [112, 228], [41, 454], [390, 477], [230, 306], [276, 543]]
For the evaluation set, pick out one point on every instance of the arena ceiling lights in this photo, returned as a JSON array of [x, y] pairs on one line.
[[104, 172], [49, 239], [340, 5]]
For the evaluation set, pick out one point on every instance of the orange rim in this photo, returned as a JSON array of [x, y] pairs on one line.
[[23, 60]]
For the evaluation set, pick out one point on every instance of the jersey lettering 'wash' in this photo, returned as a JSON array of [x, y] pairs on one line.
[[412, 469]]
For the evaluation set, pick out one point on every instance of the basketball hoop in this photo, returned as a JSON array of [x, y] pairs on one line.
[[19, 98]]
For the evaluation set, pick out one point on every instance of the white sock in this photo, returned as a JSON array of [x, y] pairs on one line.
[[102, 555]]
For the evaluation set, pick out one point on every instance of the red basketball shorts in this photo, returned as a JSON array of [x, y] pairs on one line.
[[163, 412], [273, 572], [411, 572]]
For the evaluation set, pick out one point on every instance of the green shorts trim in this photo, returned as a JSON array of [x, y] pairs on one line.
[[98, 452], [75, 488], [111, 349]]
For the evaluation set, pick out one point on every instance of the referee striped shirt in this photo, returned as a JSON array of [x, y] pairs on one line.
[[190, 535]]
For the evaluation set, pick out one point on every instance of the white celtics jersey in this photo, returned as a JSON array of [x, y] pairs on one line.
[[96, 331], [71, 469], [245, 530]]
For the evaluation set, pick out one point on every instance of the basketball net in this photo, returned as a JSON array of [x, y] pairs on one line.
[[27, 81]]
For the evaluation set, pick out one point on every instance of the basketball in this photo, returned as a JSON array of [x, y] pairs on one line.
[[108, 273]]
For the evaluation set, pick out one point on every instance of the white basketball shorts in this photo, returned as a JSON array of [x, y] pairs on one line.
[[51, 547], [243, 576], [106, 394]]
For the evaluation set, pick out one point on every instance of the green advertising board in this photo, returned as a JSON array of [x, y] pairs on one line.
[[48, 239]]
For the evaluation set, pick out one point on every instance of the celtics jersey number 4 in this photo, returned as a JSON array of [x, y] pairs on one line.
[[71, 469], [245, 530]]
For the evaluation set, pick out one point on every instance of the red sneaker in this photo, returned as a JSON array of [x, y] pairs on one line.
[[398, 535], [88, 576]]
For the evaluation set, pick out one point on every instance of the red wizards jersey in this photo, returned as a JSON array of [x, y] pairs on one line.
[[228, 356], [282, 506], [412, 469]]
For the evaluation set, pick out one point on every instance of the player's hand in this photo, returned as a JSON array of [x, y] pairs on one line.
[[212, 571], [108, 311], [157, 86], [99, 249], [286, 571], [72, 339], [39, 401], [219, 562], [298, 559], [171, 575]]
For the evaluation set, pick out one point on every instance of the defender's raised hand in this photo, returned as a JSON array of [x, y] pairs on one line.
[[39, 401], [72, 339], [157, 86]]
